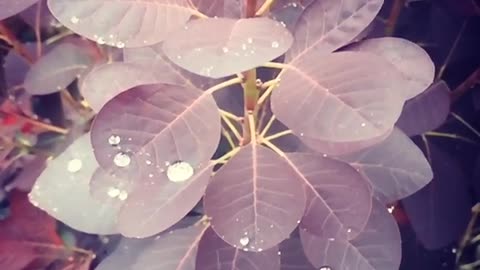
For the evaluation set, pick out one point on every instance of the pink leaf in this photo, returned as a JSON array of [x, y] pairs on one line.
[[328, 25], [149, 127], [9, 8], [62, 190], [157, 205], [215, 254], [427, 111], [210, 8], [378, 247], [108, 80], [123, 23], [221, 47], [255, 200], [409, 58], [341, 100], [338, 199], [57, 69], [396, 168]]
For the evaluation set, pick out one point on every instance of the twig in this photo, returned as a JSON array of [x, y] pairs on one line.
[[228, 137], [394, 15], [40, 124], [452, 50], [251, 8], [278, 135], [267, 126], [232, 127], [466, 86], [450, 135], [468, 232], [465, 123], [265, 7], [224, 84]]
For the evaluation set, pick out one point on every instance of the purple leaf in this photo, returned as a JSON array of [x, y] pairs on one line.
[[110, 188], [409, 58], [396, 167], [440, 212], [146, 129], [340, 100], [215, 254], [123, 23], [234, 45], [255, 200], [426, 111], [57, 69], [108, 80], [62, 190], [210, 8], [16, 66], [328, 25], [292, 255], [9, 8], [157, 205], [338, 199], [378, 247]]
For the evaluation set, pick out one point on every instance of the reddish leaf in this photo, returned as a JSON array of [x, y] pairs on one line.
[[234, 46]]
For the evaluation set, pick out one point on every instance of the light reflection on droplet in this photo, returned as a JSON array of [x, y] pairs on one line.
[[100, 40], [120, 45], [390, 209], [121, 159], [74, 20], [325, 268], [244, 241], [225, 49], [364, 125], [179, 171], [123, 195], [113, 192], [114, 140], [275, 44], [250, 40], [74, 165]]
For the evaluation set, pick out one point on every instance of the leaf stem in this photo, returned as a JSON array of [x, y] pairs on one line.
[[452, 50], [39, 124], [466, 86], [278, 135], [251, 123], [228, 137], [468, 232], [231, 115], [273, 147], [465, 123], [232, 127], [251, 8], [276, 65], [394, 15], [38, 32], [227, 156], [224, 84], [265, 7], [250, 94], [267, 126], [450, 135]]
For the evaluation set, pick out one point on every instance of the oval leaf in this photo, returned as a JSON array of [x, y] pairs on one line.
[[215, 254], [255, 201], [340, 99], [328, 25], [108, 80], [234, 46], [396, 168], [9, 8], [427, 111], [122, 23], [62, 190], [149, 127], [57, 69], [378, 247], [292, 255], [338, 199], [159, 204], [409, 58]]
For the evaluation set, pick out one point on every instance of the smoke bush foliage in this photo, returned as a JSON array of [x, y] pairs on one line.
[[309, 122]]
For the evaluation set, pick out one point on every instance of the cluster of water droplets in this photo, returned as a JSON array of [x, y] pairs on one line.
[[111, 40]]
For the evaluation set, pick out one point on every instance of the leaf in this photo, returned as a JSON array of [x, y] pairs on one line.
[[62, 190], [292, 255], [377, 247], [9, 8], [396, 167], [409, 58], [439, 212], [145, 129], [340, 99], [328, 25], [157, 205], [232, 47], [289, 11], [122, 23], [108, 80], [215, 254], [427, 111], [338, 199], [16, 66], [176, 246], [55, 70], [210, 8], [255, 200]]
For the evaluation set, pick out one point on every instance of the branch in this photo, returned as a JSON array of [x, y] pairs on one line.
[[466, 86], [394, 15], [265, 7]]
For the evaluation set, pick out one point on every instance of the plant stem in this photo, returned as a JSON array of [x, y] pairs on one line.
[[231, 116], [465, 123], [452, 50], [228, 155], [228, 137], [394, 15], [232, 127], [251, 95], [273, 147], [38, 32], [17, 45], [267, 126], [40, 124], [278, 135], [251, 8], [449, 135], [468, 232], [277, 65], [224, 84], [466, 86], [265, 7]]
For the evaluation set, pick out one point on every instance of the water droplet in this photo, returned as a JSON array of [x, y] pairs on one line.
[[74, 19], [74, 165], [250, 40], [244, 46], [349, 230], [179, 57], [55, 209], [244, 241], [149, 162], [245, 249], [390, 209], [123, 195], [454, 250], [271, 226], [225, 49], [301, 134], [364, 125], [331, 239], [100, 40], [179, 171], [325, 268], [114, 140], [150, 175], [325, 155], [260, 250], [122, 159], [275, 44], [279, 253], [113, 192], [120, 45]]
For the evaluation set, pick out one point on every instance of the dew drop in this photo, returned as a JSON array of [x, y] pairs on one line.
[[454, 250], [331, 239], [123, 195], [390, 209], [74, 165], [275, 44], [100, 40], [113, 192], [260, 250], [121, 159], [250, 40], [149, 162], [349, 230], [74, 20], [150, 175], [279, 253], [325, 268], [244, 241], [271, 226], [364, 125], [55, 209], [301, 134], [179, 171], [225, 49], [120, 45], [244, 46], [114, 140]]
